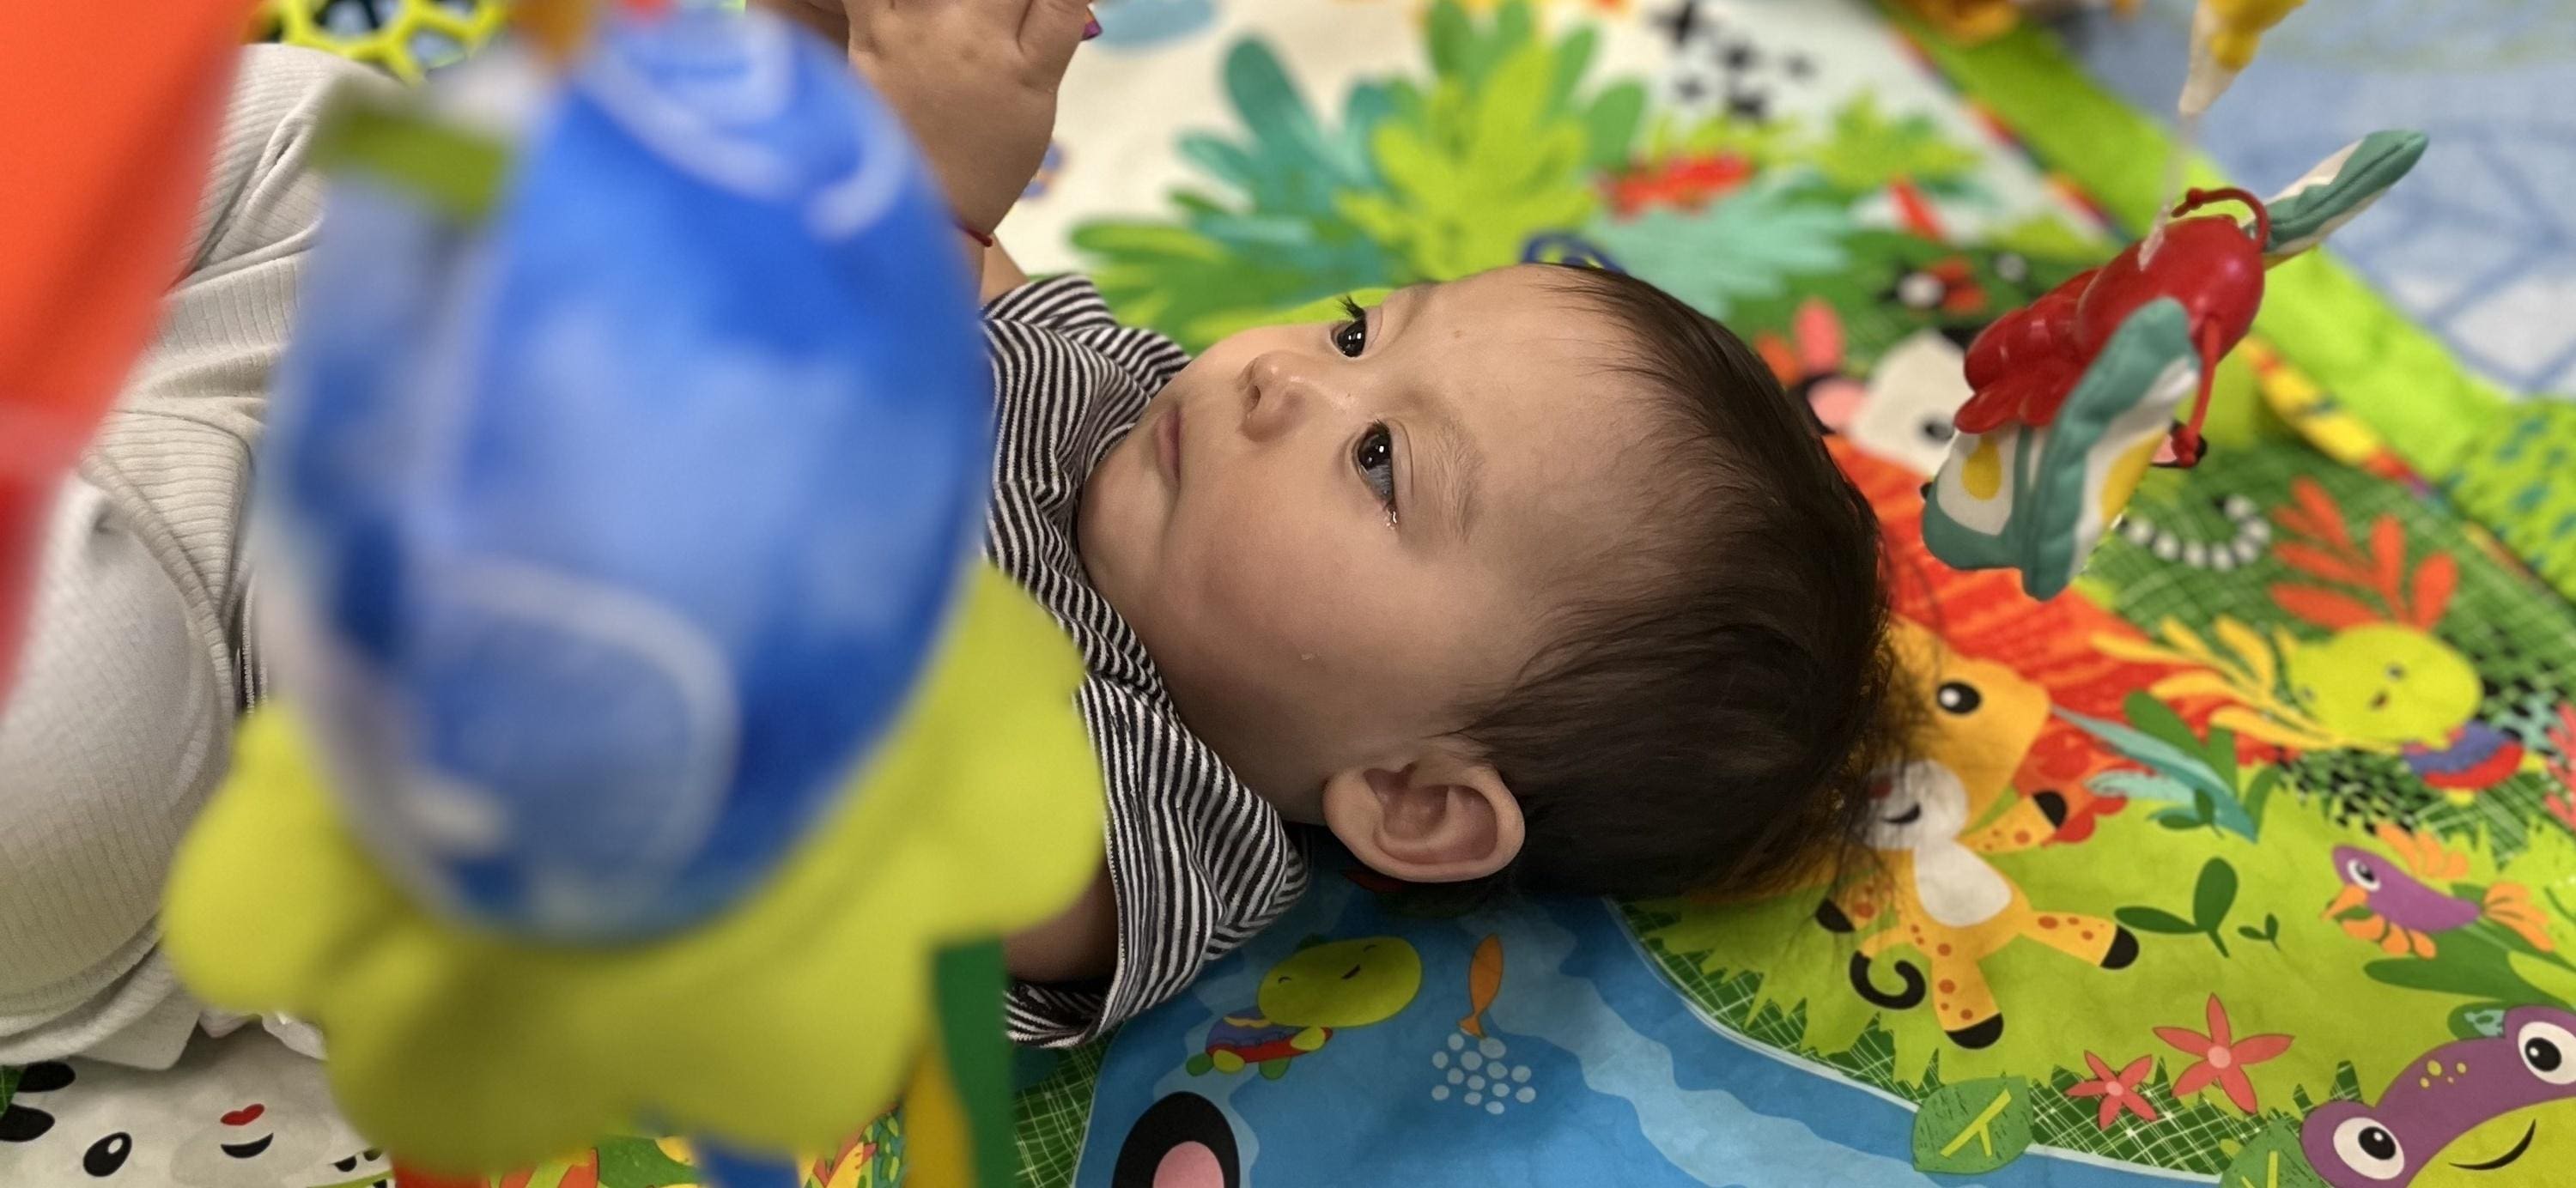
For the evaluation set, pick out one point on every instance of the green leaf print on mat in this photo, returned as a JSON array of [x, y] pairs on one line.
[[2211, 897], [1973, 1127], [2272, 1160]]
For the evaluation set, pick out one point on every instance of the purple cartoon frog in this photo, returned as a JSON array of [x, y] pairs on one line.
[[2467, 1113]]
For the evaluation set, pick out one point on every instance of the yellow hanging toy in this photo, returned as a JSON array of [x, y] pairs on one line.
[[652, 747]]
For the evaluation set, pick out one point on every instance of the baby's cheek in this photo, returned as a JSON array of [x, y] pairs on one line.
[[1305, 640], [1265, 604]]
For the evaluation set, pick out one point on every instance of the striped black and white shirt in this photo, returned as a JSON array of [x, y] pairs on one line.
[[1199, 863]]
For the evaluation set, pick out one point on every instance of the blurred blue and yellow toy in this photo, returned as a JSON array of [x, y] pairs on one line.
[[653, 746]]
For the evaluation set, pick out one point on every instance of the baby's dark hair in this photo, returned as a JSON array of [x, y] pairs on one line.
[[1711, 720]]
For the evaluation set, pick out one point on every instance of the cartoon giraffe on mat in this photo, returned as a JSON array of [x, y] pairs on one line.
[[1933, 885]]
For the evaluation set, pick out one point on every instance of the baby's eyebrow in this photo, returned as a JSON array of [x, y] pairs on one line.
[[1457, 463], [1460, 467]]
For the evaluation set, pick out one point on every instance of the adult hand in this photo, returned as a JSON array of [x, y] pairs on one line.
[[974, 80]]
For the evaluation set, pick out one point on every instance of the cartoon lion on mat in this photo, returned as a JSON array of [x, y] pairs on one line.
[[1933, 889]]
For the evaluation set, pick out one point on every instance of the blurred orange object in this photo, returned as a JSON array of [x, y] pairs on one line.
[[105, 144], [1973, 22]]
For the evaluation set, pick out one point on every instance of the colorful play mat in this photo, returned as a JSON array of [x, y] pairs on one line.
[[2250, 858]]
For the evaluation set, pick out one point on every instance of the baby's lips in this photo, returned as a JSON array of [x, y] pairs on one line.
[[1091, 28]]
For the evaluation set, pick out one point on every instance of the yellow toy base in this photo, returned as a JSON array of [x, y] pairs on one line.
[[784, 1024]]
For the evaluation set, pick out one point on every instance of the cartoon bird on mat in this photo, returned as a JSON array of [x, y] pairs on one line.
[[2384, 681], [2385, 677], [2400, 909]]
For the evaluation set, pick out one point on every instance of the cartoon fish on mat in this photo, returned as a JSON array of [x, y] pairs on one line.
[[1484, 979], [2403, 911]]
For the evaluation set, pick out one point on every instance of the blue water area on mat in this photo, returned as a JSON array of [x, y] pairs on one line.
[[1625, 1084]]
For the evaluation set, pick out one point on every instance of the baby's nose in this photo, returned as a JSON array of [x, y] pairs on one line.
[[1277, 390]]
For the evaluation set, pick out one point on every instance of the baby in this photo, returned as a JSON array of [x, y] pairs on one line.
[[1532, 579]]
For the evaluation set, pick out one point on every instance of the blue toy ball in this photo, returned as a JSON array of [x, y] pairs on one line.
[[622, 523]]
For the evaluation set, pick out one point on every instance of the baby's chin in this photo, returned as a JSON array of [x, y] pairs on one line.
[[1118, 524]]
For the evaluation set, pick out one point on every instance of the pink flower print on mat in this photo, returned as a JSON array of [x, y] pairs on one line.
[[2220, 1057], [2118, 1091]]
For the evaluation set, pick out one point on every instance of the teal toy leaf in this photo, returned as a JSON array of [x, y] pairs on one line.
[[2339, 189]]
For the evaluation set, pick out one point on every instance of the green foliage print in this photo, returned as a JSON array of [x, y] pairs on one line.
[[1277, 241], [1501, 144], [1867, 150], [1510, 143], [1781, 225]]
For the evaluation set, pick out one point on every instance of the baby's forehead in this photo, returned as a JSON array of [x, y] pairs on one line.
[[1542, 382], [1550, 291], [1530, 327], [1528, 344]]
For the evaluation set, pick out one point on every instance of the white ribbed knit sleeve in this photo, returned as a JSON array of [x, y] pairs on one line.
[[121, 721]]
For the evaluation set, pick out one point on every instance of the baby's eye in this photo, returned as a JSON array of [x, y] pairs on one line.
[[1351, 337], [1374, 456]]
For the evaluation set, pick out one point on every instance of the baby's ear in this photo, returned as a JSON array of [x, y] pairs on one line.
[[1440, 816]]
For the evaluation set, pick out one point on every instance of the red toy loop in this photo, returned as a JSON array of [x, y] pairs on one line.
[[2188, 445], [2195, 198], [2022, 368]]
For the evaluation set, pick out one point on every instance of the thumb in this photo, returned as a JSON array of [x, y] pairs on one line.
[[824, 20], [1049, 32]]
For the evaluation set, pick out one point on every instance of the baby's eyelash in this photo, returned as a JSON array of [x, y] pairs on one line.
[[1350, 336], [1373, 455]]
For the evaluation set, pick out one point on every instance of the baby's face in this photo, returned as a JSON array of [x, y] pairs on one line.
[[1333, 538]]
